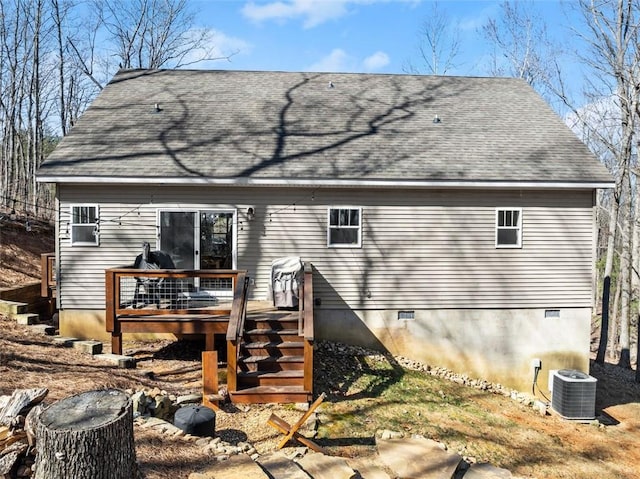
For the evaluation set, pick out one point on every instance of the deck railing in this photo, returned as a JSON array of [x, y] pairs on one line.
[[236, 330], [47, 275], [170, 300], [306, 329], [190, 301]]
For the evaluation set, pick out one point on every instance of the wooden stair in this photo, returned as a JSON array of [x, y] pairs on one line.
[[271, 361]]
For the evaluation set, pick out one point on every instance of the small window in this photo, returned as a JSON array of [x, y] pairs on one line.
[[509, 228], [84, 225], [345, 228]]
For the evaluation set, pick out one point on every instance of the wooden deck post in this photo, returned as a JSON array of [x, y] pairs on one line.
[[111, 297], [232, 365], [210, 379]]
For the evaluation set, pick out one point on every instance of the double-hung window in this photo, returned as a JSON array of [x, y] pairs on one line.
[[84, 225], [509, 228], [344, 227]]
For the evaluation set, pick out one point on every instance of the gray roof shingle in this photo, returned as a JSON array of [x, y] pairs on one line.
[[358, 127]]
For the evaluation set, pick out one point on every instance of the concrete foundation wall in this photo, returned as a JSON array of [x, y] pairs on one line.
[[90, 324], [497, 345]]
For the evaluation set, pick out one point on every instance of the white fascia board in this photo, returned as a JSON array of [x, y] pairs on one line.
[[326, 183]]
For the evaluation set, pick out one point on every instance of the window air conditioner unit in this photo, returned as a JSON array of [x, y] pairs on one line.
[[573, 395]]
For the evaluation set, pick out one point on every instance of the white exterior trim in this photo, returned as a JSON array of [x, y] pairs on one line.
[[323, 183]]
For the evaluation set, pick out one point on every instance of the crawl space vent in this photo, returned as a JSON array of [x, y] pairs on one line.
[[406, 315], [574, 394]]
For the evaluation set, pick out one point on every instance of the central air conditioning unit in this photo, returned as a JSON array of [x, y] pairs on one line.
[[573, 394]]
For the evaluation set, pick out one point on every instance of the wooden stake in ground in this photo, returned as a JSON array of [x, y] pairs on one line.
[[87, 436]]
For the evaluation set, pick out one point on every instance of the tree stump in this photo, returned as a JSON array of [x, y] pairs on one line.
[[87, 436]]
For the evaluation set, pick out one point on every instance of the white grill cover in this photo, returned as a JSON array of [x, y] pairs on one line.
[[286, 276]]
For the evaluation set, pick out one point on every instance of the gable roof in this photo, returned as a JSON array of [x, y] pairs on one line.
[[235, 127]]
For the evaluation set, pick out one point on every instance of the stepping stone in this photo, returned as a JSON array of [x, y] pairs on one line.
[[487, 471], [43, 329], [240, 466], [13, 307], [278, 465], [124, 362], [90, 347], [417, 458], [320, 466], [63, 341], [367, 468], [26, 319]]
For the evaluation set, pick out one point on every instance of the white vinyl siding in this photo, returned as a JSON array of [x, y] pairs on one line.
[[421, 249]]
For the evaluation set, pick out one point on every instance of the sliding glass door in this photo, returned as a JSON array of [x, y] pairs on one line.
[[198, 239]]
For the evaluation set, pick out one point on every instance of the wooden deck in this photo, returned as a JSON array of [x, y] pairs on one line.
[[269, 351]]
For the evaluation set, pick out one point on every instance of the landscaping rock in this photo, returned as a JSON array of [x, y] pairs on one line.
[[487, 471], [241, 466], [188, 399], [278, 465], [320, 466], [123, 362], [417, 458], [387, 434], [162, 407], [367, 469]]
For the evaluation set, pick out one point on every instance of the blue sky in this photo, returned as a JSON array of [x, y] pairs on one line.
[[377, 36]]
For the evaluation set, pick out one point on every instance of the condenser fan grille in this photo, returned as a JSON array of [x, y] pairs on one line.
[[574, 394]]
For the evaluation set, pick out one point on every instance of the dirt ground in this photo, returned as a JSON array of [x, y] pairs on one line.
[[540, 447], [20, 249]]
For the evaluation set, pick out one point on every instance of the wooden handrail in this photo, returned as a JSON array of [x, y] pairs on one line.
[[308, 327], [308, 302], [47, 274], [235, 329], [238, 309]]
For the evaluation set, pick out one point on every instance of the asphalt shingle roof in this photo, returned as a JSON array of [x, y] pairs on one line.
[[266, 125]]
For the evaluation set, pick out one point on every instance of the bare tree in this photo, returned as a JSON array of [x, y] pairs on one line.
[[520, 43], [155, 33], [438, 44], [614, 61]]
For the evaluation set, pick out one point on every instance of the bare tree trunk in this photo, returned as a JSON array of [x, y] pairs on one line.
[[606, 285], [613, 323], [625, 278], [638, 350], [625, 309], [63, 107]]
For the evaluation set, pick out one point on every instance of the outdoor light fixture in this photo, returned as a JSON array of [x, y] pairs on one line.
[[251, 214], [436, 119]]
